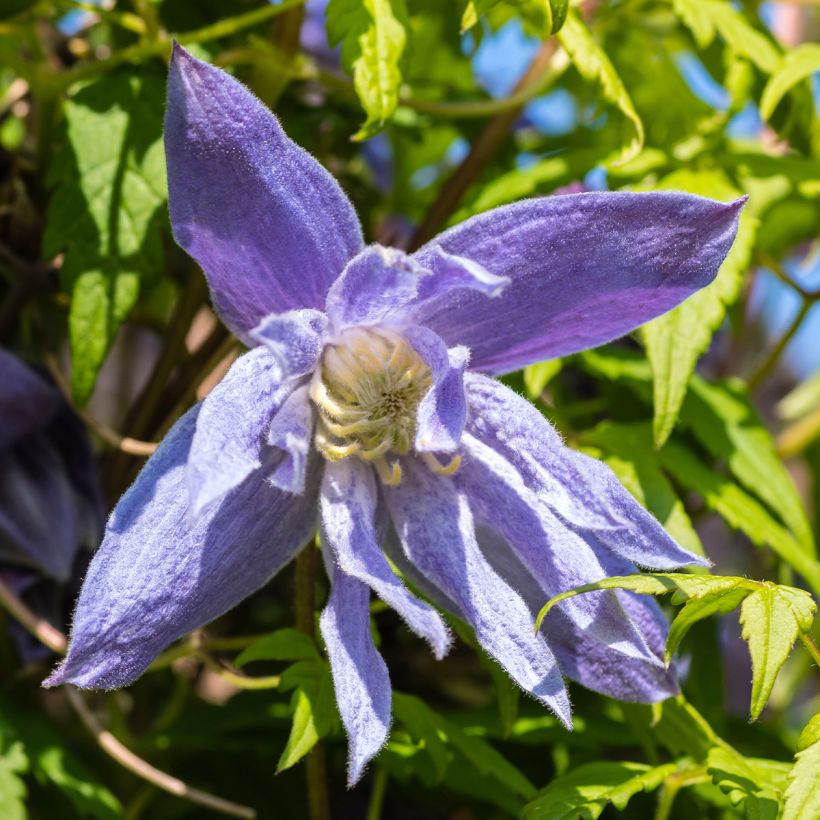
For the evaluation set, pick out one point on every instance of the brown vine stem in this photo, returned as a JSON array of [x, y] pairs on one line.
[[481, 152], [128, 760], [770, 362], [47, 634], [305, 600], [125, 444]]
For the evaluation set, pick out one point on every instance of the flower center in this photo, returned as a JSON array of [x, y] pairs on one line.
[[367, 388]]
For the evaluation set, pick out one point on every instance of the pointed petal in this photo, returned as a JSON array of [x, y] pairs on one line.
[[230, 428], [270, 227], [580, 490], [374, 286], [292, 431], [21, 389], [360, 676], [156, 578], [555, 556], [442, 412], [585, 269], [436, 530], [348, 506], [294, 339]]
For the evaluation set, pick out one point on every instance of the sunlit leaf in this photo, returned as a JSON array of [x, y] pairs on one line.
[[802, 793], [795, 67]]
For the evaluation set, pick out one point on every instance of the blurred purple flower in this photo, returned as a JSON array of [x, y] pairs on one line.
[[50, 508], [356, 398]]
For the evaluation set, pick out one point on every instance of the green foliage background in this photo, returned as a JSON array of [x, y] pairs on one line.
[[698, 413]]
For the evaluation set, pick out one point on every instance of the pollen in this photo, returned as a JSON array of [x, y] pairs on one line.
[[367, 389]]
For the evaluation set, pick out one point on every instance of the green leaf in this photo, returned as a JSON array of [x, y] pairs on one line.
[[421, 721], [772, 615], [675, 341], [593, 64], [282, 645], [538, 376], [772, 618], [802, 793], [740, 780], [546, 16], [723, 419], [705, 18], [797, 65], [313, 706], [586, 791], [629, 453], [739, 509], [373, 37], [13, 764], [106, 209]]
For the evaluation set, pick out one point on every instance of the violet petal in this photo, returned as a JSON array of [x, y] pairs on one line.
[[270, 227], [156, 577], [585, 269]]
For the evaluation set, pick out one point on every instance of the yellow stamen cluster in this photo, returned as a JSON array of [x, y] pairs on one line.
[[367, 389]]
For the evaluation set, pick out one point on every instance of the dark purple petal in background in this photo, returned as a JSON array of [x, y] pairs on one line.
[[585, 269], [271, 228], [27, 400]]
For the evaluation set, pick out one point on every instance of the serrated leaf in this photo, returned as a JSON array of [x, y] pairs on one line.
[[739, 509], [373, 38], [538, 376], [723, 419], [593, 64], [797, 65], [282, 645], [313, 706], [696, 610], [107, 205], [772, 615], [675, 341], [803, 792], [589, 789], [740, 780], [547, 16], [706, 18], [772, 618]]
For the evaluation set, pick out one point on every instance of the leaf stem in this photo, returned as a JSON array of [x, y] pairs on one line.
[[374, 808], [128, 760], [305, 605], [235, 679], [771, 360], [811, 646]]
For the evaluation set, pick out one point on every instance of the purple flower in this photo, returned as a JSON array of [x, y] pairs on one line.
[[365, 407], [50, 508]]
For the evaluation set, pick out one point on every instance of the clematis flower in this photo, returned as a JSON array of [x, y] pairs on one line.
[[366, 407], [45, 465]]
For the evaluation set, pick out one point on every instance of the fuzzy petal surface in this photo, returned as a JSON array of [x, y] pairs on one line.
[[458, 272], [437, 533], [27, 400], [555, 556], [583, 492], [291, 431], [348, 507], [231, 426], [155, 577], [375, 285], [294, 340], [442, 413], [360, 677], [269, 225], [584, 269]]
